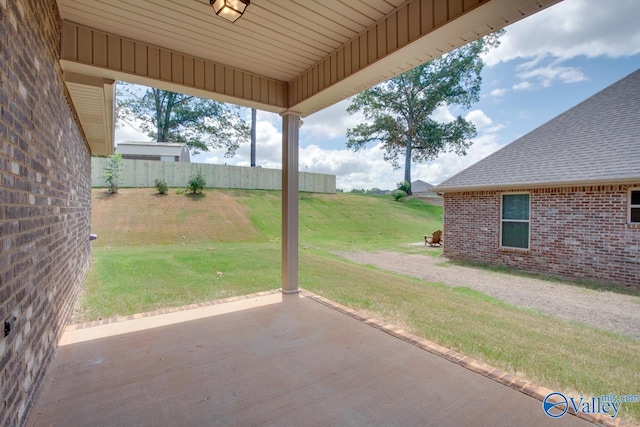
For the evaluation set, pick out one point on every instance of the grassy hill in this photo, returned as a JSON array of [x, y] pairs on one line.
[[138, 217], [157, 251]]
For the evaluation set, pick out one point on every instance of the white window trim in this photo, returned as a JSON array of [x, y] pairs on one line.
[[516, 220], [630, 206]]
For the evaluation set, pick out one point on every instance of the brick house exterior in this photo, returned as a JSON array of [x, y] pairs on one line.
[[579, 174], [45, 201]]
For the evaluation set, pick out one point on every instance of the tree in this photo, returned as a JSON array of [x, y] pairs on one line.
[[112, 172], [399, 112], [253, 137], [165, 116]]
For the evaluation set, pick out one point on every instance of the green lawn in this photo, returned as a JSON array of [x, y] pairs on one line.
[[127, 280], [144, 273]]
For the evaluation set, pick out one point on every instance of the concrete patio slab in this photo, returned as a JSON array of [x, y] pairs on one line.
[[285, 360]]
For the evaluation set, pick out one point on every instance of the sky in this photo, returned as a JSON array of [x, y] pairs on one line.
[[546, 64]]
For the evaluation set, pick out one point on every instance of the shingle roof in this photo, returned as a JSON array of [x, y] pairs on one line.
[[150, 148], [420, 185], [597, 141]]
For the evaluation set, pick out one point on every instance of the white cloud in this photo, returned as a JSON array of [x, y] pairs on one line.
[[362, 169], [129, 133], [496, 93], [546, 75], [442, 114], [570, 29], [573, 28], [479, 119], [268, 149], [483, 122], [330, 123], [449, 164], [522, 85]]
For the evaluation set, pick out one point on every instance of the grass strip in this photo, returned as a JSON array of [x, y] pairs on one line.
[[128, 280]]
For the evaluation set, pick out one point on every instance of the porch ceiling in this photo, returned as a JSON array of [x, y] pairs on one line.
[[298, 55]]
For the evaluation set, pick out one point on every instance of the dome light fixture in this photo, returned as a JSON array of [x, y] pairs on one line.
[[231, 10]]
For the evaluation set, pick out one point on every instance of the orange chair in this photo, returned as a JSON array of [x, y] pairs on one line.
[[434, 240]]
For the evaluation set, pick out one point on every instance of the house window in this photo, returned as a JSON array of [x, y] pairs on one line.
[[634, 206], [515, 221]]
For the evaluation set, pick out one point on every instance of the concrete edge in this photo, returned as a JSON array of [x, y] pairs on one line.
[[115, 319]]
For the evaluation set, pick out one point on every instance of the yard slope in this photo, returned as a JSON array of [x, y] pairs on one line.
[[140, 217]]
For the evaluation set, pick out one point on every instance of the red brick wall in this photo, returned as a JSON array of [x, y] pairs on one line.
[[576, 233], [45, 209]]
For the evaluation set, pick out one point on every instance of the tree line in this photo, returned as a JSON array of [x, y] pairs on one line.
[[398, 113]]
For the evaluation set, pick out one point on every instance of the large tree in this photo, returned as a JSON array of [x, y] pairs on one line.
[[399, 112], [202, 124]]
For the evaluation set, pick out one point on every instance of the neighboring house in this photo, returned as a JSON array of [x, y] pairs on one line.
[[164, 151], [563, 200], [421, 188]]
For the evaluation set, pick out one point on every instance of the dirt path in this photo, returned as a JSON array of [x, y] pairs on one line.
[[604, 310]]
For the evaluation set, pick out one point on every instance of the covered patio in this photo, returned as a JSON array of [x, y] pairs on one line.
[[273, 359], [286, 360]]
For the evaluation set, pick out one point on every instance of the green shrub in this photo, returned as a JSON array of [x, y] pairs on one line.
[[404, 186], [161, 186], [196, 183], [112, 171], [398, 195]]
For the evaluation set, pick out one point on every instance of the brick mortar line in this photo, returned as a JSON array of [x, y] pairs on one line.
[[169, 310], [488, 371]]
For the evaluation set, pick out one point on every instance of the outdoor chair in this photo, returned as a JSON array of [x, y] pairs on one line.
[[434, 240]]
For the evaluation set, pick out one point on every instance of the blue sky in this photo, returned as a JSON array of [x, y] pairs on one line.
[[546, 64]]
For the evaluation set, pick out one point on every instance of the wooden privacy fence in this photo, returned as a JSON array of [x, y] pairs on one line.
[[142, 173]]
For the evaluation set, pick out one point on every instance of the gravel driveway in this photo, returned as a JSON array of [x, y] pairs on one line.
[[604, 310]]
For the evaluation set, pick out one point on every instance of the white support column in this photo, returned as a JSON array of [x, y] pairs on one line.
[[290, 133]]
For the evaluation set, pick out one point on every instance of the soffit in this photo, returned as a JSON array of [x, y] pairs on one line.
[[93, 99], [278, 39]]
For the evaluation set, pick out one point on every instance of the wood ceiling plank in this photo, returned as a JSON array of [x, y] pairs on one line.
[[299, 14], [122, 21], [348, 11], [283, 68], [340, 23]]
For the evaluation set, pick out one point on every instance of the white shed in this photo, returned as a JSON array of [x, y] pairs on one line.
[[162, 151]]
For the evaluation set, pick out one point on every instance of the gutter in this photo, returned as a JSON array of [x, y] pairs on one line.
[[619, 181]]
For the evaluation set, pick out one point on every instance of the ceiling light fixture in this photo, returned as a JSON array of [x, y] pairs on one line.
[[230, 10]]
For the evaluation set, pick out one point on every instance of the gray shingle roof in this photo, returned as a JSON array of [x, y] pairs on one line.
[[420, 185], [150, 148], [597, 141]]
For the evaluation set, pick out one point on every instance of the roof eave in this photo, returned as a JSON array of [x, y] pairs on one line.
[[525, 185]]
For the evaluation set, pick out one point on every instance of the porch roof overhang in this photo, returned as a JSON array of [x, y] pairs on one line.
[[282, 55]]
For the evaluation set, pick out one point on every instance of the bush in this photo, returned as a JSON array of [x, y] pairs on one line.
[[196, 183], [161, 186], [112, 171], [398, 195], [404, 186]]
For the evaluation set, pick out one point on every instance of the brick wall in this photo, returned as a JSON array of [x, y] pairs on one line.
[[44, 201], [576, 233]]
